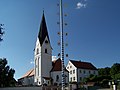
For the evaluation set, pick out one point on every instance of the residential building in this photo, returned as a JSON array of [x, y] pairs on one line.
[[79, 70]]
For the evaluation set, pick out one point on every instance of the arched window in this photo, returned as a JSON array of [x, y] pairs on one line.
[[37, 52], [57, 78], [45, 50]]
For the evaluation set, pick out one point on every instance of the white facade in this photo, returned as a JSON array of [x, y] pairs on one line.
[[43, 61], [78, 74], [57, 77], [72, 72], [26, 81]]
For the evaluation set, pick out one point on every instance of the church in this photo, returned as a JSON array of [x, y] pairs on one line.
[[45, 70]]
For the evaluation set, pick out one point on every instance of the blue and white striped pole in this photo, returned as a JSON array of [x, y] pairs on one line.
[[62, 43]]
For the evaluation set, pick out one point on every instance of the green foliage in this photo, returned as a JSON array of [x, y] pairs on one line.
[[115, 71], [105, 75], [116, 76], [6, 74], [1, 32], [104, 71]]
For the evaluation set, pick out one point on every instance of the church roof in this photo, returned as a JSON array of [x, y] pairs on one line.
[[28, 74], [43, 33], [83, 65], [57, 65]]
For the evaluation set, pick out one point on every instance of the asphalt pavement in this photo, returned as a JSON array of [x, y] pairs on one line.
[[21, 88]]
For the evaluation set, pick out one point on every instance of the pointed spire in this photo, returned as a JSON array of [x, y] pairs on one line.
[[43, 33]]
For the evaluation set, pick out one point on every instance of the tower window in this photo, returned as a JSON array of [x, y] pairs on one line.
[[46, 42], [45, 50], [37, 52]]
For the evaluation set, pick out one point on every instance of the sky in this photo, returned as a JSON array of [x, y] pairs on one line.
[[93, 31]]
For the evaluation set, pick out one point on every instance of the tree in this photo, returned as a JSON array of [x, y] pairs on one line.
[[6, 74], [1, 32], [115, 71], [104, 71]]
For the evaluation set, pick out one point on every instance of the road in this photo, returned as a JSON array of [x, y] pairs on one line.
[[30, 88], [21, 88]]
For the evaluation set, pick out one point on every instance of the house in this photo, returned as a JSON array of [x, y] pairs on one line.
[[56, 73], [54, 79], [79, 70], [27, 79]]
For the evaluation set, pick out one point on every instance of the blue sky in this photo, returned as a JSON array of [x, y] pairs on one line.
[[93, 31]]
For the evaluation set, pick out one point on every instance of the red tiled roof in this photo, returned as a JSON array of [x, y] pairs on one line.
[[57, 65], [32, 73], [83, 65], [29, 73]]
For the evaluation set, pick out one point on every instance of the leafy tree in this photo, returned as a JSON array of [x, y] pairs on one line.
[[104, 71], [1, 32], [117, 76], [6, 74], [115, 71]]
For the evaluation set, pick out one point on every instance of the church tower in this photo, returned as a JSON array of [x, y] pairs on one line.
[[42, 54]]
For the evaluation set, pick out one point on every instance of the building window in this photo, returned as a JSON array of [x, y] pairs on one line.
[[46, 42], [45, 50], [70, 66], [38, 66], [57, 78], [35, 66], [71, 79], [37, 52], [89, 72], [67, 67], [80, 71], [94, 72], [74, 78], [80, 78], [73, 71], [84, 71]]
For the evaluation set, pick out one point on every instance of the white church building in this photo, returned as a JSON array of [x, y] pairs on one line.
[[47, 71]]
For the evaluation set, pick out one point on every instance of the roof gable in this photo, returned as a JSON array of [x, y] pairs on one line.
[[57, 65], [83, 65], [28, 74]]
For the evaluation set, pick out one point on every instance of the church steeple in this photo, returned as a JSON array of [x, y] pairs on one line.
[[43, 33], [42, 54]]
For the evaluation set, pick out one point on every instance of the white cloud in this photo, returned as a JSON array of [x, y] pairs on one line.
[[54, 58], [80, 5], [31, 62]]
